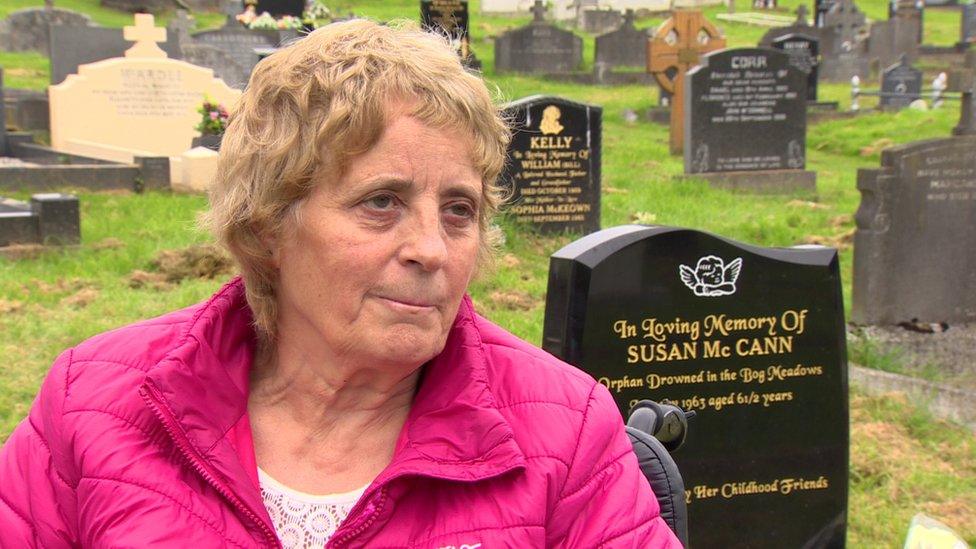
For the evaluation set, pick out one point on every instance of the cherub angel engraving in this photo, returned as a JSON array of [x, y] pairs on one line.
[[711, 277]]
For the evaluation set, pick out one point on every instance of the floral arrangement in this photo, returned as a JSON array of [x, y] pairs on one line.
[[316, 11], [266, 21], [213, 119]]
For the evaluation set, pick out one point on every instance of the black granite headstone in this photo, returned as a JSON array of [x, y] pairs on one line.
[[900, 85], [745, 112], [967, 25], [804, 51], [279, 8], [553, 165], [752, 339], [538, 48], [913, 246], [624, 47], [447, 16]]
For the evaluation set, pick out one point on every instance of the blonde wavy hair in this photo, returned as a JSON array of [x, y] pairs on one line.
[[311, 107]]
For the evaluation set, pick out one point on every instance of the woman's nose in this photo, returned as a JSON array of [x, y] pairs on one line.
[[425, 241]]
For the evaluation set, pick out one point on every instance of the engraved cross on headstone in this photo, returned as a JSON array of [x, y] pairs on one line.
[[678, 44], [963, 80], [539, 11], [145, 34], [847, 22]]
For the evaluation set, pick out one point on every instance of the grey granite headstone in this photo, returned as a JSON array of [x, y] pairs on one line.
[[745, 115], [58, 218], [3, 120], [31, 111], [967, 25], [900, 85], [74, 45], [18, 225], [179, 27], [843, 46], [554, 161], [915, 236], [538, 48], [889, 40], [50, 218], [599, 21], [27, 29], [624, 47], [238, 44]]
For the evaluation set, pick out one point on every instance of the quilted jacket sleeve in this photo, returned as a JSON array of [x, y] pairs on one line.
[[35, 500], [606, 501]]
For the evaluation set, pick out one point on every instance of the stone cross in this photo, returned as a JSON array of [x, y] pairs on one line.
[[233, 8], [677, 45], [539, 11], [963, 80], [802, 14], [628, 19], [145, 34]]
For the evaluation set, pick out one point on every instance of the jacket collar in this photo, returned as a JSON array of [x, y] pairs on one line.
[[454, 430]]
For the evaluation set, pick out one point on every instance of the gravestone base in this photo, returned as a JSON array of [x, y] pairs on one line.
[[659, 115], [822, 106], [761, 182]]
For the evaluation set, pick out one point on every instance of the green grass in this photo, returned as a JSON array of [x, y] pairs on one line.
[[903, 461]]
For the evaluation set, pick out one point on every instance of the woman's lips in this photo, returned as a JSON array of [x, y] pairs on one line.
[[407, 304]]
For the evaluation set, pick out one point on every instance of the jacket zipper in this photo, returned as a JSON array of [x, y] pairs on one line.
[[155, 402], [364, 525]]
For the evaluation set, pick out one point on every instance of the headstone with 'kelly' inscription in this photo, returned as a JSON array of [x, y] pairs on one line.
[[553, 164], [752, 339]]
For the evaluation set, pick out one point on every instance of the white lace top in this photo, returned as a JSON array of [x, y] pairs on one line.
[[304, 520]]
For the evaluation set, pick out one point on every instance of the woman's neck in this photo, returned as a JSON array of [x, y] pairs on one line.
[[325, 427]]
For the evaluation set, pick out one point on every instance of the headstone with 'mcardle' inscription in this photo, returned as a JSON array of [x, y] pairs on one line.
[[752, 339], [913, 247], [745, 121], [553, 166]]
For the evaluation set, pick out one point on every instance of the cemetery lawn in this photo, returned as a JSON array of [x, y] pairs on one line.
[[902, 460]]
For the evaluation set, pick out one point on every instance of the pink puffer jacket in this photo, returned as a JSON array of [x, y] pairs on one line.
[[128, 445]]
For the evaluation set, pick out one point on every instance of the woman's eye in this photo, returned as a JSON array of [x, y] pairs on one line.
[[461, 210], [380, 202]]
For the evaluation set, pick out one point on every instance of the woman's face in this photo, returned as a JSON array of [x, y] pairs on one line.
[[380, 258]]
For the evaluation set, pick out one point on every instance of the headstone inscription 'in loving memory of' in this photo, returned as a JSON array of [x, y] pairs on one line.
[[752, 339], [553, 165]]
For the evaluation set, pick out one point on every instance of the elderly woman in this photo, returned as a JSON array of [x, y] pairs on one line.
[[342, 392]]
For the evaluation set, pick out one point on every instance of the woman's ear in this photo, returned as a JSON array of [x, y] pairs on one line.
[[272, 248]]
